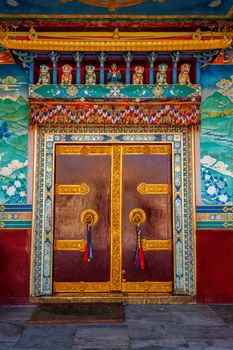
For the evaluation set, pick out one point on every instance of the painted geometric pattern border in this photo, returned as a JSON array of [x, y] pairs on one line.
[[15, 216], [215, 217], [181, 138]]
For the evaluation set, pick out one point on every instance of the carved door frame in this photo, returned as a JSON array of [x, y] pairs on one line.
[[182, 141]]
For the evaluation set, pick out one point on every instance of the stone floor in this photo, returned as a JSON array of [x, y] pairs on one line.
[[151, 327]]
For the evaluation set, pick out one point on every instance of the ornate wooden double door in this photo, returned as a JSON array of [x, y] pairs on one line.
[[113, 219]]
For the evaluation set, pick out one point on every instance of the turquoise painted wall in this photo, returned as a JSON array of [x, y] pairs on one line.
[[13, 134], [217, 135]]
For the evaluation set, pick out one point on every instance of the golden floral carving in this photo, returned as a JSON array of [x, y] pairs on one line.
[[116, 191], [144, 188], [164, 244], [89, 216], [147, 149], [81, 287], [82, 189], [69, 244], [137, 216], [83, 150], [147, 287]]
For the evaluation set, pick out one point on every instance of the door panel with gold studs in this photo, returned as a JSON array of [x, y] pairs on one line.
[[82, 208], [146, 188]]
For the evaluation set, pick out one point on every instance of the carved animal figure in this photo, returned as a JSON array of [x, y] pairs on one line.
[[90, 77], [44, 77], [138, 75], [161, 75], [66, 78], [113, 75], [183, 77]]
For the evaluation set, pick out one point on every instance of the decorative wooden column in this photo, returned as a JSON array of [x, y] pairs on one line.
[[78, 56], [54, 58], [151, 58], [128, 56], [102, 56], [198, 72], [175, 58]]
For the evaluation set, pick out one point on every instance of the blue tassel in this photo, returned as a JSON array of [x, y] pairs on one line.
[[139, 254], [89, 242]]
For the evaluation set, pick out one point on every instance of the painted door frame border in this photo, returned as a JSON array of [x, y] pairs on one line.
[[182, 141]]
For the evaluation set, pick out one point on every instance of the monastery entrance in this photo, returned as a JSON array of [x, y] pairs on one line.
[[113, 218]]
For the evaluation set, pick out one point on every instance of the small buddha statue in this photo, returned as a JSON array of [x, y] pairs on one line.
[[161, 75], [183, 77], [66, 78], [138, 75], [90, 77], [44, 76], [113, 75]]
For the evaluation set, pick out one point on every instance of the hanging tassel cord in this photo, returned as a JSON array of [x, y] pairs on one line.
[[88, 248], [139, 261]]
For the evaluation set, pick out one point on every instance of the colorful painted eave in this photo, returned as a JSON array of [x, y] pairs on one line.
[[120, 92], [174, 114], [116, 45], [115, 104]]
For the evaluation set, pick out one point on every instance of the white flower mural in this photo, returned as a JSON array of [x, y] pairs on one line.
[[10, 191]]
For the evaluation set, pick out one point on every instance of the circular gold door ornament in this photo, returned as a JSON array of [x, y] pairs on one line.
[[137, 216], [89, 217]]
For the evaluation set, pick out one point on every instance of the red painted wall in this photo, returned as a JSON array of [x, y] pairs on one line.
[[15, 247], [215, 266]]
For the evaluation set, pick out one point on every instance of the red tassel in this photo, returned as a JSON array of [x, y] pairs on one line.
[[85, 256], [141, 258]]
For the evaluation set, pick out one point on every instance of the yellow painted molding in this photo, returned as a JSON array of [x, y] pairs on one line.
[[116, 45], [32, 34]]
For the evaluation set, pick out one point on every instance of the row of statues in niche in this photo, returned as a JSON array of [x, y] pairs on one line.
[[114, 76]]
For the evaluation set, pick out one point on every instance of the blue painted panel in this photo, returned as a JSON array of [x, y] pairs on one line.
[[149, 7]]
